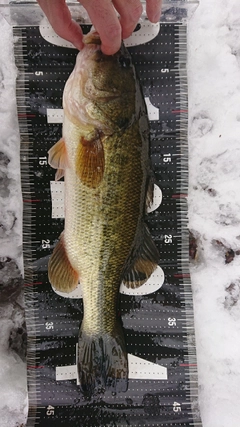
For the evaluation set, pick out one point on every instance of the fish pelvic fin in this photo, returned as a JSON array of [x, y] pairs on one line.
[[61, 274], [102, 362], [90, 161], [143, 262], [57, 158]]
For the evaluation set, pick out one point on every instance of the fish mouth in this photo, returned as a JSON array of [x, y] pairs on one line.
[[92, 38]]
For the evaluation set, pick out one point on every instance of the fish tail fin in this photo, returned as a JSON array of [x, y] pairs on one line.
[[102, 362]]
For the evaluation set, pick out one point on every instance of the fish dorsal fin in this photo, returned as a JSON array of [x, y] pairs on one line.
[[57, 158], [90, 161], [144, 262]]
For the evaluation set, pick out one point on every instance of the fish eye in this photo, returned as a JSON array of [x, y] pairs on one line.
[[124, 62]]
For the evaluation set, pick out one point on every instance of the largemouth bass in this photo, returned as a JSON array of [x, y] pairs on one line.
[[104, 157]]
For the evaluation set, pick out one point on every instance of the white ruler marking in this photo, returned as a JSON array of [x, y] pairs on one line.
[[139, 369], [54, 115], [153, 112], [147, 31]]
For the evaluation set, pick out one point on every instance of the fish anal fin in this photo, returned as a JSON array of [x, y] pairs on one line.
[[61, 274], [90, 161], [143, 263], [57, 158]]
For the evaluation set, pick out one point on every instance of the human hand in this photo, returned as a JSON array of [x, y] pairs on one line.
[[104, 18]]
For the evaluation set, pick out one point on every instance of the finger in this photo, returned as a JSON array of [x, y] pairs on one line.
[[153, 9], [106, 23], [130, 13], [60, 19]]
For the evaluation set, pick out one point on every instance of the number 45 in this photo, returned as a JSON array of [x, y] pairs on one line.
[[50, 410], [177, 407]]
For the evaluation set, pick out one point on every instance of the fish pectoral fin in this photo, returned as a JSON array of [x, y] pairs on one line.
[[144, 262], [90, 161], [61, 274], [59, 174], [57, 158]]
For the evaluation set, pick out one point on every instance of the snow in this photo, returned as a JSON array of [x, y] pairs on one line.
[[214, 204], [214, 216], [13, 397]]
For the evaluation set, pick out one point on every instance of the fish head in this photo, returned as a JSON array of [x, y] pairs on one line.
[[102, 88], [111, 75]]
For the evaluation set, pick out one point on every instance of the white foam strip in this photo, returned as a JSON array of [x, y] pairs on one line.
[[54, 115], [153, 112], [64, 373], [57, 195], [139, 369], [146, 32], [154, 283], [76, 294], [157, 199], [50, 36]]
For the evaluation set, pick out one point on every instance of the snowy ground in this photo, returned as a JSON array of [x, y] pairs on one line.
[[214, 217], [214, 205]]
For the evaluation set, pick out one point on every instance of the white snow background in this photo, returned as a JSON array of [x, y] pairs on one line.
[[214, 216]]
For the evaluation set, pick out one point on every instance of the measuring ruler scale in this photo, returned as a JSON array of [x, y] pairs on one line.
[[157, 317]]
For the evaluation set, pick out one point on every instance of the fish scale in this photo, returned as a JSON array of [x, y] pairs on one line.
[[158, 327], [104, 229]]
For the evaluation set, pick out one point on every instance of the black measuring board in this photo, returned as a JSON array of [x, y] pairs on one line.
[[158, 325]]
